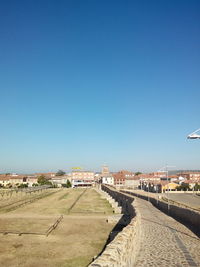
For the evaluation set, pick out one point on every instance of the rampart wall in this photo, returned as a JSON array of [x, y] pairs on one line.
[[122, 251]]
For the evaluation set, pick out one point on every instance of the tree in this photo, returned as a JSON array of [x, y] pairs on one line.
[[68, 184], [42, 180], [197, 187], [184, 187], [22, 186], [138, 173], [60, 173]]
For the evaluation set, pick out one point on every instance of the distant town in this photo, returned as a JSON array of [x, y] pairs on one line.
[[157, 182]]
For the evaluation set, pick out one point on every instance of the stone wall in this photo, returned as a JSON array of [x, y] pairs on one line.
[[111, 200], [122, 251], [123, 200], [186, 216]]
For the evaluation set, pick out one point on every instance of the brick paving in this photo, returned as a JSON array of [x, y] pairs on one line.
[[164, 241]]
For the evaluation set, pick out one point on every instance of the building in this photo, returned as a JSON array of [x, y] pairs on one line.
[[191, 183], [31, 180], [17, 179], [107, 179], [147, 177], [105, 170], [4, 180], [158, 174], [82, 178], [14, 180], [132, 181], [59, 181], [161, 186], [173, 178], [121, 177], [190, 175], [169, 186]]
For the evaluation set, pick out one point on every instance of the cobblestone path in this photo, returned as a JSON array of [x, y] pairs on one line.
[[164, 241]]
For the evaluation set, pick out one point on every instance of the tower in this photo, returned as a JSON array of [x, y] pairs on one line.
[[105, 170]]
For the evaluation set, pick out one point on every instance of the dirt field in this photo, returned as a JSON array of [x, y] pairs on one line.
[[79, 236]]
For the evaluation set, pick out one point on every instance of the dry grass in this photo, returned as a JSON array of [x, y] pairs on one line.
[[76, 240], [91, 203]]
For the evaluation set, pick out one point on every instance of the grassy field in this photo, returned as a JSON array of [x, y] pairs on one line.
[[9, 202], [80, 235]]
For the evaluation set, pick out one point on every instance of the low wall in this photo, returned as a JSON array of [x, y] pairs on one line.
[[113, 203], [122, 251], [124, 201], [186, 216]]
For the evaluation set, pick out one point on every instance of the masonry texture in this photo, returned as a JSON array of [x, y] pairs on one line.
[[152, 238], [164, 241]]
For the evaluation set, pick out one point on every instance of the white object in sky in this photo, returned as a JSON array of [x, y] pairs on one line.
[[194, 135]]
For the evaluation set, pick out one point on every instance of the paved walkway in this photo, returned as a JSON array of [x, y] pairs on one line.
[[164, 241]]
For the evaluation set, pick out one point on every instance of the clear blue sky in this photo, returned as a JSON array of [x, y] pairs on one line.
[[84, 83]]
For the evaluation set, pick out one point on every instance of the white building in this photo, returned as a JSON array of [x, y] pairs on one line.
[[107, 179], [82, 178], [59, 180]]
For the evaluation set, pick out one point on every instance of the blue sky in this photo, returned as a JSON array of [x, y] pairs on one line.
[[83, 83]]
